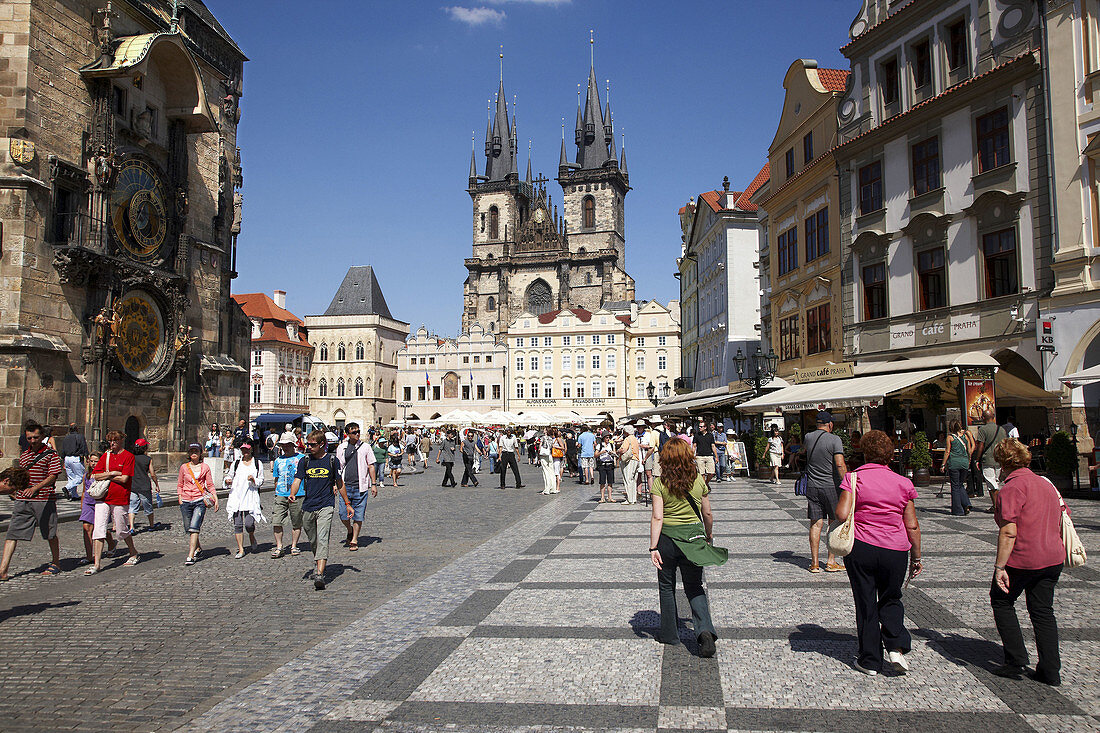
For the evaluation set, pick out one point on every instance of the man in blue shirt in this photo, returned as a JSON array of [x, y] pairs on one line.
[[284, 470], [587, 443], [319, 474]]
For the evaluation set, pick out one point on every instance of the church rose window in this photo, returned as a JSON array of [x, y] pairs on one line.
[[539, 298]]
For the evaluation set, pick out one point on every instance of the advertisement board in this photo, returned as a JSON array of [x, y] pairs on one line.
[[978, 396]]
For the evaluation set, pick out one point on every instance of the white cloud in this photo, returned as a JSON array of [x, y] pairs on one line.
[[475, 16], [530, 2]]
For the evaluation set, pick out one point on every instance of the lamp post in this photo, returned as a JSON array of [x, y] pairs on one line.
[[404, 409], [1076, 456], [656, 394], [763, 367]]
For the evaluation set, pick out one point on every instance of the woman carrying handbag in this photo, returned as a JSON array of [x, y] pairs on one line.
[[885, 544]]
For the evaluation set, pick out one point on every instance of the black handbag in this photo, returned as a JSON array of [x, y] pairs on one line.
[[803, 482]]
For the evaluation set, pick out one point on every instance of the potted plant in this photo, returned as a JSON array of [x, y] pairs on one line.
[[1061, 458], [920, 459], [760, 450]]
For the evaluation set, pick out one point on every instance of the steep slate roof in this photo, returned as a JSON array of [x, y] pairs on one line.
[[199, 9], [835, 80], [359, 295]]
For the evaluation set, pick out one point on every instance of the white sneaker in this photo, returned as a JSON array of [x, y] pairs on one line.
[[897, 660]]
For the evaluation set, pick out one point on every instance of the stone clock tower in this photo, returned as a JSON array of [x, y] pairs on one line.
[[529, 256]]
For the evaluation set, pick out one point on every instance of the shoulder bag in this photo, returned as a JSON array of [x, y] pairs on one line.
[[99, 488], [842, 539], [803, 481], [1075, 550]]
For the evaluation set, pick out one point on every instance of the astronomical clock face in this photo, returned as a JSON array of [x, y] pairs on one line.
[[139, 211], [141, 346]]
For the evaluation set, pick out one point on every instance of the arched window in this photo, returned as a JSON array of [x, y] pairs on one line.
[[322, 388], [589, 221], [494, 223], [393, 390], [341, 353], [324, 353], [358, 386], [539, 299], [359, 351], [340, 387], [491, 304], [588, 278]]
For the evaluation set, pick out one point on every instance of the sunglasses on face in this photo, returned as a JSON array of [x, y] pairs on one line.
[[353, 432], [313, 445]]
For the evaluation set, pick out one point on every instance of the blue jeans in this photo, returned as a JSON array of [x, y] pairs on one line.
[[492, 463], [358, 501], [960, 501], [193, 513], [74, 470], [720, 465]]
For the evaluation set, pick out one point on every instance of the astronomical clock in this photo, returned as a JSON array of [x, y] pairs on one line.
[[138, 208]]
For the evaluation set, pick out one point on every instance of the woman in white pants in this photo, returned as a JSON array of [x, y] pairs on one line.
[[546, 463], [630, 455]]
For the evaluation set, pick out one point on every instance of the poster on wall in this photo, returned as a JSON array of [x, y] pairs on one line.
[[978, 396], [737, 459]]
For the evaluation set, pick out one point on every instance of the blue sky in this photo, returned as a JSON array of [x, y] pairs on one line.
[[357, 117]]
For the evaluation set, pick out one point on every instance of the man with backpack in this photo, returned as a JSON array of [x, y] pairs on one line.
[[36, 506], [319, 474], [825, 469], [989, 435]]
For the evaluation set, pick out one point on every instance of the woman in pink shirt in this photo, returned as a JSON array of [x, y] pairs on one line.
[[1030, 554], [196, 486], [887, 543]]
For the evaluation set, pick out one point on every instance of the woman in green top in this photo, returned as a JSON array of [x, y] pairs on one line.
[[680, 532], [956, 463]]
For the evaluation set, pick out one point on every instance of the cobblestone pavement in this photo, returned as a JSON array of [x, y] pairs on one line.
[[546, 625]]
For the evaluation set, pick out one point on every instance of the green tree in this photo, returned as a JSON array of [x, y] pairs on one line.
[[920, 457]]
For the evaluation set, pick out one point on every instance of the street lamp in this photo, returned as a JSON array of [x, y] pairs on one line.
[[656, 394], [763, 367]]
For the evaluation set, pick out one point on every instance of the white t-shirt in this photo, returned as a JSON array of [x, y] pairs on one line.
[[508, 444], [775, 445]]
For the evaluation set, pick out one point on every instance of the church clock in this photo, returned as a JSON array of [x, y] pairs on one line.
[[141, 345], [138, 208]]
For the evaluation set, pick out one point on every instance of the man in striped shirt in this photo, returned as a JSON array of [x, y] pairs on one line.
[[36, 507]]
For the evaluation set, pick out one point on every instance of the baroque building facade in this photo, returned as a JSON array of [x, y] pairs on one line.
[[119, 206], [354, 372], [528, 255], [281, 355], [436, 375]]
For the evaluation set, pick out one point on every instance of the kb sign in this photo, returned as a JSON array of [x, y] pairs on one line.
[[1044, 334]]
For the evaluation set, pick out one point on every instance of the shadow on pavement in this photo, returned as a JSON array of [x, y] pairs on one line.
[[31, 609], [646, 624], [792, 559], [819, 640]]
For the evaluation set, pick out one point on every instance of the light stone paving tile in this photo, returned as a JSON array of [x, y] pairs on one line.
[[362, 710], [817, 674], [574, 608], [582, 672], [689, 717], [449, 631], [1062, 723], [573, 570], [1073, 605], [597, 547], [1080, 671], [498, 586], [829, 607]]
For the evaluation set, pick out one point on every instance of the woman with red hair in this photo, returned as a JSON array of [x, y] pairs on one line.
[[681, 530]]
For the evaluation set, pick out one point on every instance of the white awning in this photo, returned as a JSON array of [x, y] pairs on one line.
[[1083, 377], [853, 392]]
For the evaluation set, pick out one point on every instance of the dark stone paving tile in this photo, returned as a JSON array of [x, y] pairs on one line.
[[398, 679], [542, 547], [927, 613], [561, 632], [856, 721], [593, 585], [1064, 633], [687, 679], [578, 516], [461, 715], [474, 609], [562, 529], [345, 726], [515, 571]]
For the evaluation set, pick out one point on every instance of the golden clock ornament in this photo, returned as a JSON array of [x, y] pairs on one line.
[[141, 347]]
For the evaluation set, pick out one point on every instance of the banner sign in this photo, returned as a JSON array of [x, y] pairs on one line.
[[978, 396], [823, 373]]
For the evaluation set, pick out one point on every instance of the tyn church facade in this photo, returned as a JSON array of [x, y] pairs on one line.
[[527, 255]]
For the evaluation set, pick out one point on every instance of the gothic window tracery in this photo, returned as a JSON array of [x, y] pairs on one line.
[[359, 352], [341, 352], [340, 387], [539, 298], [324, 353]]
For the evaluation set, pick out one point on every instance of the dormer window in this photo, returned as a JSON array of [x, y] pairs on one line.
[[291, 331], [257, 326]]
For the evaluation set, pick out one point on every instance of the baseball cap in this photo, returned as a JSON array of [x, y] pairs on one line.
[[141, 443], [824, 417], [246, 446], [194, 447]]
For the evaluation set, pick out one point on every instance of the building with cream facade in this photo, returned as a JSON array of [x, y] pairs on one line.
[[354, 374], [281, 355], [594, 363], [436, 375]]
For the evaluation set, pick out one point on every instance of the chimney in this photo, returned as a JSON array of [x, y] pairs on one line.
[[279, 296], [633, 311]]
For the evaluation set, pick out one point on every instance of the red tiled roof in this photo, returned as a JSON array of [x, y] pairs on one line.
[[260, 305], [582, 315], [762, 177], [624, 319], [835, 80], [271, 331]]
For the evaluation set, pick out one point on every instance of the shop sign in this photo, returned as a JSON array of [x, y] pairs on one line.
[[902, 336], [978, 396], [541, 403], [965, 327], [588, 401], [1044, 335], [823, 373]]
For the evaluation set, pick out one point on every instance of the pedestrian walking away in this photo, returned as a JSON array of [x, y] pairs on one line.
[[509, 445], [985, 465], [196, 495], [73, 452], [586, 445], [825, 469], [887, 544], [357, 470], [446, 455], [283, 470], [245, 478], [681, 536], [34, 506], [1030, 557], [142, 486], [956, 464], [116, 465], [630, 459], [319, 474], [469, 451]]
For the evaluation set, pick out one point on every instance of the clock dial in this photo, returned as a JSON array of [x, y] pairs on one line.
[[139, 215], [141, 347], [540, 215]]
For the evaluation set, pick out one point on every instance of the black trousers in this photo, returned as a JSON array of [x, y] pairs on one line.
[[1038, 589], [508, 458], [468, 475], [448, 475], [876, 575]]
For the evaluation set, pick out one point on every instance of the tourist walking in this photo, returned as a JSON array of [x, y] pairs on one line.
[[1030, 556], [586, 446], [494, 453], [605, 469], [117, 466], [469, 451], [985, 466], [87, 511], [681, 533], [775, 452], [719, 453], [196, 494], [630, 454], [283, 470], [425, 448], [142, 485], [448, 446], [244, 480], [357, 470], [35, 506], [825, 469], [546, 462], [956, 464], [319, 475], [394, 456], [74, 450], [705, 453], [887, 544], [509, 444], [557, 455]]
